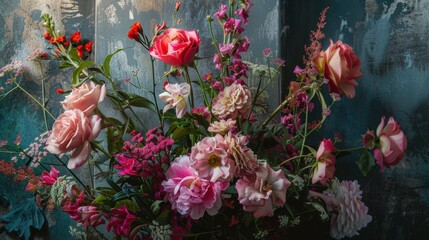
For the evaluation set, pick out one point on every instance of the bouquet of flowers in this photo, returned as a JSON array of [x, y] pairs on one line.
[[214, 166]]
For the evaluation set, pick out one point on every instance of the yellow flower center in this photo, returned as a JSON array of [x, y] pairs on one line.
[[214, 161]]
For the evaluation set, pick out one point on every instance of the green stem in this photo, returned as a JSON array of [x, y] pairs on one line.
[[155, 99], [188, 80], [305, 130], [101, 149], [293, 158], [349, 149], [34, 99], [202, 86], [256, 97], [43, 95]]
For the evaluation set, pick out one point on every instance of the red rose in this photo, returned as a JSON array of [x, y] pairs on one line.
[[88, 46], [75, 37], [176, 47], [80, 51], [134, 31], [341, 67]]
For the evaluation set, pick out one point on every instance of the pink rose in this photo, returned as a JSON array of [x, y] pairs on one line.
[[190, 194], [392, 143], [259, 192], [341, 67], [176, 47], [73, 131], [85, 98], [325, 167]]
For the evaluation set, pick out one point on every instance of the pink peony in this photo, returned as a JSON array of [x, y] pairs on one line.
[[245, 160], [176, 47], [210, 158], [49, 178], [349, 213], [120, 219], [325, 168], [190, 194], [261, 190], [73, 131], [392, 143], [90, 216], [234, 101], [85, 98], [127, 165], [176, 95], [222, 127], [341, 67]]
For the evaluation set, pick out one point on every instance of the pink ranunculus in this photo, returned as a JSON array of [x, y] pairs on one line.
[[73, 131], [222, 127], [85, 98], [49, 178], [176, 95], [245, 160], [234, 101], [176, 47], [349, 213], [210, 158], [325, 168], [392, 143], [190, 194], [120, 219], [90, 216], [341, 67], [263, 189]]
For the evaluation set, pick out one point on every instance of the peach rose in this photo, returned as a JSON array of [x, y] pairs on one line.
[[391, 145], [73, 131], [85, 98], [341, 67], [176, 47]]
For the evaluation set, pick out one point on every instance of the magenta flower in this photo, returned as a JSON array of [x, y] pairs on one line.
[[325, 168], [127, 166], [210, 159], [392, 143], [49, 178], [120, 220], [259, 192], [176, 96], [221, 14], [90, 216], [190, 194]]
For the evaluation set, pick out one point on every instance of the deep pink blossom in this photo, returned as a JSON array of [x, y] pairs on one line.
[[188, 193], [231, 25], [49, 178], [127, 166], [221, 14], [120, 219], [90, 216]]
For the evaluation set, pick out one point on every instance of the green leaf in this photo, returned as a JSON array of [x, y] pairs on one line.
[[114, 139], [106, 64], [155, 207], [139, 101], [184, 131], [65, 65], [163, 218], [129, 204], [108, 122], [365, 162], [78, 71], [101, 200]]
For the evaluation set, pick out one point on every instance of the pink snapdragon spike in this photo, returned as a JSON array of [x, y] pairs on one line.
[[392, 143], [210, 158], [325, 168], [49, 178], [189, 194], [120, 219], [262, 190], [176, 96]]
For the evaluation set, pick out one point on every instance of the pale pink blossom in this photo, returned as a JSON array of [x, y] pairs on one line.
[[90, 216], [73, 131], [262, 190], [392, 143], [233, 102], [348, 213], [325, 167], [222, 127], [176, 96], [210, 158], [188, 193], [49, 178], [86, 98], [245, 160]]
